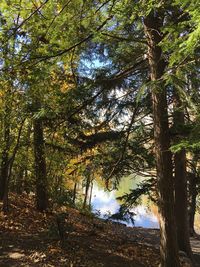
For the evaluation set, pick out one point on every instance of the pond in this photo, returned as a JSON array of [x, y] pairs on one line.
[[147, 215], [106, 202]]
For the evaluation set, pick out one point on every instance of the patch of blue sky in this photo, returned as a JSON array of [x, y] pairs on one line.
[[89, 68], [90, 63]]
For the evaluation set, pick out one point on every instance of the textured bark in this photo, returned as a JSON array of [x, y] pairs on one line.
[[40, 166], [181, 201], [192, 186], [4, 171], [4, 174], [168, 247]]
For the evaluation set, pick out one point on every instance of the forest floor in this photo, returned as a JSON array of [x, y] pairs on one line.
[[29, 238]]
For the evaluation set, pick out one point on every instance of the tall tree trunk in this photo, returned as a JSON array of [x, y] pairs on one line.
[[4, 171], [10, 166], [192, 190], [91, 188], [40, 166], [74, 193], [181, 202], [87, 187], [169, 246]]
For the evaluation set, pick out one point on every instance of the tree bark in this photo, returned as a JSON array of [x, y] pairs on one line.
[[40, 166], [86, 191], [192, 190], [168, 246], [4, 171], [9, 171], [181, 201], [91, 188], [74, 193]]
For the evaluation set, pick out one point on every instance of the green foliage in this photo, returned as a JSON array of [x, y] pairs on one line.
[[87, 212], [146, 187], [190, 140], [80, 67], [63, 198], [123, 214]]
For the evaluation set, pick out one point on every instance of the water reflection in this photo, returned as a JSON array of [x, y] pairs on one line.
[[146, 215], [105, 202]]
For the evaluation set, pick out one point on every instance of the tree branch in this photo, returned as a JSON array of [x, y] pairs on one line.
[[121, 38], [62, 52]]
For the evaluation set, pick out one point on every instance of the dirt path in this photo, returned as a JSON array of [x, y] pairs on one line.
[[150, 238]]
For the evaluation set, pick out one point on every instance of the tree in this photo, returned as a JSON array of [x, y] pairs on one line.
[[74, 110], [40, 164], [169, 249], [193, 181], [180, 173]]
